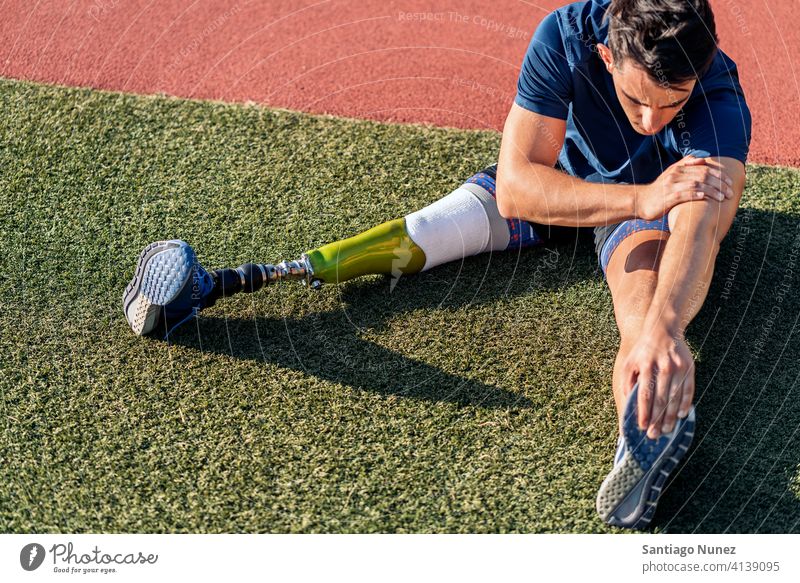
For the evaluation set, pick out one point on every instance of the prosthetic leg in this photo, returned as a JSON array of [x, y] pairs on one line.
[[463, 223], [169, 286]]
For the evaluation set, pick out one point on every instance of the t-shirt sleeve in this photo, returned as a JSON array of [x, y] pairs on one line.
[[718, 123], [545, 80]]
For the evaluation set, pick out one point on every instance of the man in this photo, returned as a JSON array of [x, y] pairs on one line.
[[627, 120]]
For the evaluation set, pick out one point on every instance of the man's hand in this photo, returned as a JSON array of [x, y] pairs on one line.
[[688, 179], [665, 370]]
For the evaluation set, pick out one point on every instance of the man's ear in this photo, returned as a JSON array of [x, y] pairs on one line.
[[605, 54]]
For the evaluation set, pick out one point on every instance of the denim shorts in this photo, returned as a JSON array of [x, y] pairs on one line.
[[606, 237]]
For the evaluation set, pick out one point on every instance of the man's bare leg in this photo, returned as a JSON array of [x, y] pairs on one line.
[[637, 271], [629, 494], [632, 275]]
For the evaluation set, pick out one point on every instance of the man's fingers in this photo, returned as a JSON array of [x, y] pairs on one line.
[[673, 403], [659, 407], [688, 395], [688, 194], [694, 190], [701, 170], [710, 176], [645, 397]]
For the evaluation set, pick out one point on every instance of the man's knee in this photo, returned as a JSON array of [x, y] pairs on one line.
[[466, 222], [637, 252], [647, 253]]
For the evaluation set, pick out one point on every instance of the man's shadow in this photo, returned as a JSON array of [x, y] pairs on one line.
[[739, 473], [327, 344]]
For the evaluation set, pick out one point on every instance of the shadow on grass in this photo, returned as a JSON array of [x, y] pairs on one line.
[[327, 344], [746, 454], [739, 473]]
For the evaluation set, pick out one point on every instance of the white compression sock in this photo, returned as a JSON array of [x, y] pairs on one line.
[[463, 223]]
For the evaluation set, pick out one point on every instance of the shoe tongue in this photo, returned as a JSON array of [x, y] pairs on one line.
[[620, 450]]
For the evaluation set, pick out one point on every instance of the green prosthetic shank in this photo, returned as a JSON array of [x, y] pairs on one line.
[[386, 248]]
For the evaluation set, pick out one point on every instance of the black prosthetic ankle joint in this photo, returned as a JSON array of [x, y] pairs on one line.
[[246, 278]]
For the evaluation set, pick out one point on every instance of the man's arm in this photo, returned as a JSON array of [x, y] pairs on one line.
[[529, 188], [687, 265]]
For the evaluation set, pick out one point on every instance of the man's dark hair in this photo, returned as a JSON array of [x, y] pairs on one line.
[[672, 40]]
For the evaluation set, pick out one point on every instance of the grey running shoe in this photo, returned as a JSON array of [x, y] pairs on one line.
[[169, 287], [629, 494]]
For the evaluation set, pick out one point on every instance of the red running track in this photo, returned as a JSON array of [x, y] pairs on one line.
[[443, 62]]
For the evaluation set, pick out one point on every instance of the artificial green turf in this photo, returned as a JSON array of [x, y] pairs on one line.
[[472, 398]]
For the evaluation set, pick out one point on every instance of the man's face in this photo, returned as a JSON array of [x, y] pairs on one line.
[[648, 104]]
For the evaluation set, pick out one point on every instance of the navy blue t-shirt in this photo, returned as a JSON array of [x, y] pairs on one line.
[[563, 77]]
